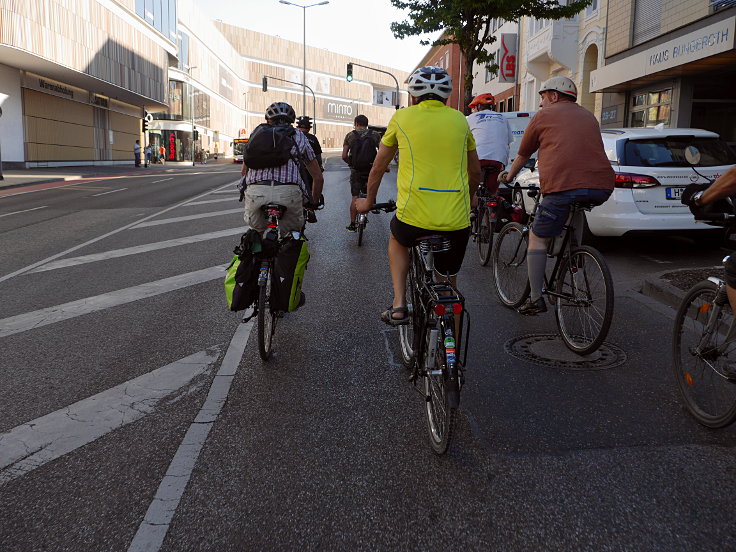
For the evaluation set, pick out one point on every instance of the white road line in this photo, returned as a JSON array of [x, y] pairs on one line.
[[234, 192], [34, 209], [110, 192], [116, 253], [164, 180], [212, 201], [30, 445], [103, 236], [59, 313], [152, 531], [188, 217]]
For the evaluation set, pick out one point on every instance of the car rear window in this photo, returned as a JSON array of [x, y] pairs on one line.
[[670, 152]]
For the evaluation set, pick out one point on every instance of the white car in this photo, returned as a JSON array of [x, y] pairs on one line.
[[651, 173]]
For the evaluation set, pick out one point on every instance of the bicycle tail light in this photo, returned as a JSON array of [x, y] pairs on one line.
[[439, 309]]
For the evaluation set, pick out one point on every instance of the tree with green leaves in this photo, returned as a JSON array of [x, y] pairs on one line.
[[467, 23]]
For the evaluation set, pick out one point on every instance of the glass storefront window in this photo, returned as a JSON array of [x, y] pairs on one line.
[[637, 119], [651, 108], [640, 99]]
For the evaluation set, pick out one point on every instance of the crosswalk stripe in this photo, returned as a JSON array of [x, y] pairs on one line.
[[116, 253], [59, 313], [188, 217], [30, 445]]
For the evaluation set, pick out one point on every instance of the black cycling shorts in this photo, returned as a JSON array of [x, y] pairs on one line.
[[358, 183], [447, 263]]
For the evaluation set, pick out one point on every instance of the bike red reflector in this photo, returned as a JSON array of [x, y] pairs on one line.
[[440, 310], [457, 308], [492, 203]]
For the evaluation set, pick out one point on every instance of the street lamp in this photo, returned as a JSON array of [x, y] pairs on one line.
[[191, 104], [245, 109], [304, 72]]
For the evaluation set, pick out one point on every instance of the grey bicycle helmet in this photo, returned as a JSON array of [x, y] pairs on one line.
[[430, 80], [281, 111]]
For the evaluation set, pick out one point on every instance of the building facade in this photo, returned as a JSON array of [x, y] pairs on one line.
[[78, 78], [504, 82], [669, 62], [449, 57]]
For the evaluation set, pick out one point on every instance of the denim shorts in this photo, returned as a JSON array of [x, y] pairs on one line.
[[554, 209]]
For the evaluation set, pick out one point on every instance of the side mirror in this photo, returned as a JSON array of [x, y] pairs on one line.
[[530, 164]]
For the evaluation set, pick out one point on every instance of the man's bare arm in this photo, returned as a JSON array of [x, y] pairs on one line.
[[724, 186], [380, 164], [474, 172], [317, 179]]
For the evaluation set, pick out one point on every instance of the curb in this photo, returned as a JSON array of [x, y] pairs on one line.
[[658, 288]]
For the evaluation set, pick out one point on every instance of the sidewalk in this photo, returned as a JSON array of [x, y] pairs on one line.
[[669, 287], [28, 177]]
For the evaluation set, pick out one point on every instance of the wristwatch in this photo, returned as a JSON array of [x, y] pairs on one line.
[[696, 199]]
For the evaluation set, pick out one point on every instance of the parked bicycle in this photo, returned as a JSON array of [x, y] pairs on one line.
[[431, 344], [580, 286]]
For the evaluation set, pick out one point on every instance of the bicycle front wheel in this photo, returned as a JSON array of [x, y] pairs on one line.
[[585, 306], [361, 227], [701, 349], [510, 277], [440, 415], [484, 236], [266, 320]]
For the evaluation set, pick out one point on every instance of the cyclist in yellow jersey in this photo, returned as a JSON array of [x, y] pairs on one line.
[[438, 176]]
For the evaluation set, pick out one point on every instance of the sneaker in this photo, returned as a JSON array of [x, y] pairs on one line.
[[531, 308], [350, 227]]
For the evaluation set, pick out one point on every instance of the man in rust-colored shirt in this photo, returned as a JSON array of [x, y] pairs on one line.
[[573, 167]]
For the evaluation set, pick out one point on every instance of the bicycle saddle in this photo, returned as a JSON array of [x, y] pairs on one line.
[[434, 243], [583, 205]]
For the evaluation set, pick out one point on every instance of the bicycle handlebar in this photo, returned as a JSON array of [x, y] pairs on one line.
[[389, 206], [715, 217]]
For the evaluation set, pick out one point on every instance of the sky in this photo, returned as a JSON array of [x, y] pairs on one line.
[[356, 28]]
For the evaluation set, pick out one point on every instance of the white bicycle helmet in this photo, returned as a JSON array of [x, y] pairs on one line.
[[430, 80], [281, 110], [563, 85]]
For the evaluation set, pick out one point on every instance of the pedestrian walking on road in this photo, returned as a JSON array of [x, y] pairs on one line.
[[137, 153]]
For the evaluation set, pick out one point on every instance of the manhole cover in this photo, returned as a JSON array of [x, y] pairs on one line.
[[549, 350]]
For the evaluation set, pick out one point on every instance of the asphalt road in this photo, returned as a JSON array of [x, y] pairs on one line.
[[136, 414]]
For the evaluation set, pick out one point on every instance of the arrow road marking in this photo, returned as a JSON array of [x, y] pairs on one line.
[[152, 531], [31, 445], [59, 313], [115, 253]]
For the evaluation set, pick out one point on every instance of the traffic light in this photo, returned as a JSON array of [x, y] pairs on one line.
[[265, 84], [145, 124], [350, 73], [196, 135]]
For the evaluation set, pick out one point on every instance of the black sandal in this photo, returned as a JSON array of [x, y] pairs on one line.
[[387, 316]]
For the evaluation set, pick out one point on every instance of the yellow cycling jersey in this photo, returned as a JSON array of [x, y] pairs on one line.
[[432, 181]]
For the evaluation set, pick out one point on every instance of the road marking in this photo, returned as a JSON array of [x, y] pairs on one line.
[[59, 313], [80, 188], [188, 217], [152, 530], [102, 237], [164, 180], [31, 445], [233, 192], [110, 192], [652, 259], [211, 201], [116, 253], [28, 210]]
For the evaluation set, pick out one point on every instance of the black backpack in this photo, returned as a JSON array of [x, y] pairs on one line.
[[362, 151], [269, 146]]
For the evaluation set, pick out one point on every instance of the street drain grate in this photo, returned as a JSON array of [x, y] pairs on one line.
[[549, 350]]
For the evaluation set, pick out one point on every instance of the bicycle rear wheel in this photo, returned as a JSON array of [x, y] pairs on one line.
[[408, 332], [585, 311], [440, 415], [510, 277], [484, 236], [266, 320], [708, 394]]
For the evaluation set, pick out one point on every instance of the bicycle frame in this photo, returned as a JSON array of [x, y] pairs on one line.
[[713, 318]]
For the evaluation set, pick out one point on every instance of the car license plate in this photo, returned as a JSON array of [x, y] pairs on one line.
[[673, 193]]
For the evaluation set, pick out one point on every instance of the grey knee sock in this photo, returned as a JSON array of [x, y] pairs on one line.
[[536, 263]]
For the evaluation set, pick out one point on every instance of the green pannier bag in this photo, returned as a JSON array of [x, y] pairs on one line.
[[288, 274], [241, 280]]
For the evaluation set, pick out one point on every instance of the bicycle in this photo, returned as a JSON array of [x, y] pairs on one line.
[[267, 316], [375, 209], [703, 343], [430, 344], [580, 286]]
